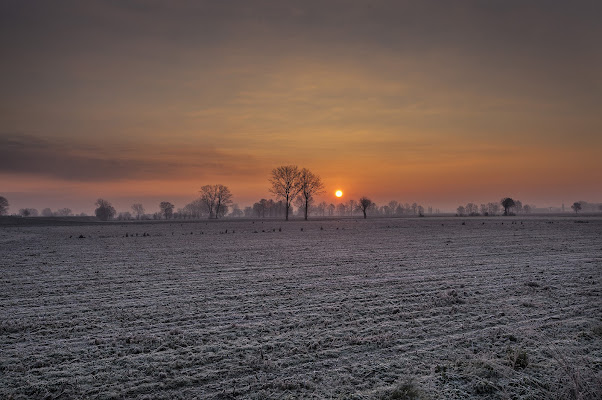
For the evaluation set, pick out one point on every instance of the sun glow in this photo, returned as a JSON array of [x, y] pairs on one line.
[[338, 193]]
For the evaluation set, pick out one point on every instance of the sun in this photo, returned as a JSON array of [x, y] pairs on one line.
[[338, 193]]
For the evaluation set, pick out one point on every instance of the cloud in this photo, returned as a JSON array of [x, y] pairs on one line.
[[28, 154]]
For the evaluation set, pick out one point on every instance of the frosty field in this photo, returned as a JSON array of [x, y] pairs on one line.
[[499, 308]]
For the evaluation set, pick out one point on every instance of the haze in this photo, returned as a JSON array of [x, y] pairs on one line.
[[437, 102]]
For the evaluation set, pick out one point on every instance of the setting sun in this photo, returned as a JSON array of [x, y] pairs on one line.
[[338, 193]]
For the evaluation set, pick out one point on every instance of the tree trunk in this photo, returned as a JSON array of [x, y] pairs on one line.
[[306, 207], [287, 207], [364, 210]]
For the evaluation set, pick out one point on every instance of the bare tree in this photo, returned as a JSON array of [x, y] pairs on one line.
[[124, 216], [527, 209], [236, 211], [216, 198], [310, 185], [471, 209], [223, 199], [576, 207], [47, 212], [196, 209], [461, 210], [363, 204], [64, 212], [393, 204], [166, 209], [208, 197], [493, 208], [414, 208], [322, 208], [286, 184], [3, 205], [138, 210], [507, 203], [260, 207], [518, 206], [104, 210]]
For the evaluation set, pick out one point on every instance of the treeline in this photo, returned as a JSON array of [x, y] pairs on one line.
[[269, 208], [507, 206]]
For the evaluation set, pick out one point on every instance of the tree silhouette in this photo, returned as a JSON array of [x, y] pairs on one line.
[[166, 209], [286, 184], [64, 212], [104, 210], [576, 207], [216, 198], [138, 210], [223, 199], [507, 203], [363, 205], [3, 205], [311, 185]]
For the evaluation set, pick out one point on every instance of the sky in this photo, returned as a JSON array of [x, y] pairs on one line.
[[437, 102]]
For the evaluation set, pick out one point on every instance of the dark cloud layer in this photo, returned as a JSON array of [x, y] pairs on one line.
[[27, 154]]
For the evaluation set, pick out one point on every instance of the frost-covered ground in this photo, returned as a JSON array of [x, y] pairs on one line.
[[390, 308]]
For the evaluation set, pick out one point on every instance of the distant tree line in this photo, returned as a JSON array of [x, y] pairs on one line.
[[508, 205]]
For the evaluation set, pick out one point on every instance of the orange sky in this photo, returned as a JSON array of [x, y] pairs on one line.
[[439, 103]]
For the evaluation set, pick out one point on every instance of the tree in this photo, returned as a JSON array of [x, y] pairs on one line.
[[208, 198], [461, 210], [3, 206], [236, 211], [414, 208], [322, 208], [527, 209], [124, 216], [310, 185], [472, 209], [28, 212], [576, 207], [260, 207], [223, 198], [104, 210], [518, 206], [216, 198], [493, 208], [363, 205], [47, 212], [196, 209], [393, 204], [63, 212], [507, 203], [138, 210], [166, 209], [286, 184]]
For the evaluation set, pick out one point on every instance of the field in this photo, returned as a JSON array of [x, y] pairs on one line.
[[429, 308]]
